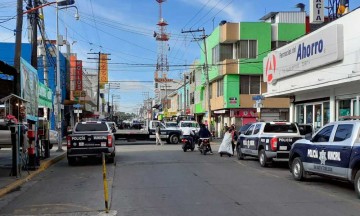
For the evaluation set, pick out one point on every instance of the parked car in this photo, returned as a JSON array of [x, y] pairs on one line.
[[332, 152], [269, 141], [5, 134], [53, 137]]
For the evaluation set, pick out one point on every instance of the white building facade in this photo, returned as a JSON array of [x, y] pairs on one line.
[[320, 72]]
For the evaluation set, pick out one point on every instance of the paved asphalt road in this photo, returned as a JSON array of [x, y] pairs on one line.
[[163, 180]]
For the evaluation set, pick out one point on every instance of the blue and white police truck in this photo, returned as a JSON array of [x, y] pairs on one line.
[[269, 141], [334, 151]]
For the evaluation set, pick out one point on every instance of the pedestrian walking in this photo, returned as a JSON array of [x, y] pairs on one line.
[[225, 146], [157, 134], [234, 136]]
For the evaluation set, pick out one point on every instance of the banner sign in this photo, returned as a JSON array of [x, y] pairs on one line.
[[311, 51], [243, 113], [103, 69], [72, 76], [29, 89], [45, 96], [78, 76]]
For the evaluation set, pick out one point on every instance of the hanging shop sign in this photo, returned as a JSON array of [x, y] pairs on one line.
[[243, 113], [103, 69], [316, 11], [29, 89], [312, 51], [45, 96], [233, 100], [78, 76]]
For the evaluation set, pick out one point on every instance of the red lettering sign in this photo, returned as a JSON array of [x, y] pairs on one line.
[[78, 76]]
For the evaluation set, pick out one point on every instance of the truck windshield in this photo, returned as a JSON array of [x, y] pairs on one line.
[[280, 128], [189, 124], [91, 127]]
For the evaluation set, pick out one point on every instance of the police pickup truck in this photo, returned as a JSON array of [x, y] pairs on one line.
[[334, 151], [90, 139], [269, 141]]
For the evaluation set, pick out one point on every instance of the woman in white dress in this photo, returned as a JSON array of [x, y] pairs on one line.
[[225, 146]]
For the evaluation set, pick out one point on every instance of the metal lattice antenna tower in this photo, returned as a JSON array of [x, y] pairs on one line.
[[162, 37]]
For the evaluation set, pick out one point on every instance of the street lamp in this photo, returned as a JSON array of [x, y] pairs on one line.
[[66, 4]]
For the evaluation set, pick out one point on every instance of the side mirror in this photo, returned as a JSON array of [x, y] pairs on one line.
[[308, 136]]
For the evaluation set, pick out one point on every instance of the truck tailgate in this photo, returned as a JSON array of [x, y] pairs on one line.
[[285, 142], [81, 141]]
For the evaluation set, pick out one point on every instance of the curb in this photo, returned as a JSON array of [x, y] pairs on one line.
[[43, 166]]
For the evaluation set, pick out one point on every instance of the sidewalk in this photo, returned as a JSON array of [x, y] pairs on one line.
[[9, 183]]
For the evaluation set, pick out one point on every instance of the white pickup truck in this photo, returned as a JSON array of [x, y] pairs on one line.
[[170, 135]]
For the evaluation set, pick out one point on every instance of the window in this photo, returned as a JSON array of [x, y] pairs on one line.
[[278, 44], [247, 49], [343, 132], [220, 87], [250, 84], [309, 114], [344, 108], [280, 128], [226, 51], [249, 131], [215, 54], [192, 98], [92, 127], [257, 128], [300, 114], [324, 134]]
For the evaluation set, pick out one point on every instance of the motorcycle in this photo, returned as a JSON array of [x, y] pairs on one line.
[[187, 144], [204, 147]]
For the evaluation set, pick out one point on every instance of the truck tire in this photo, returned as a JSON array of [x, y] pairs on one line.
[[240, 155], [262, 158], [297, 169], [174, 139], [357, 183], [71, 161]]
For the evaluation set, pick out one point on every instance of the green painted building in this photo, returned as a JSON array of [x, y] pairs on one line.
[[235, 53]]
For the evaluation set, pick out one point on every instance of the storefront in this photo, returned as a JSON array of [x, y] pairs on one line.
[[319, 72]]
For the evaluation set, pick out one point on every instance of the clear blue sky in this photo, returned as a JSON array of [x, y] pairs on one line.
[[125, 29]]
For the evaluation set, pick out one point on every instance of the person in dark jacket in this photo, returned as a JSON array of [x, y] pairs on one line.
[[204, 133]]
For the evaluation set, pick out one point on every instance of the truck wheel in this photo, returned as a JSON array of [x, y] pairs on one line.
[[357, 183], [297, 169], [240, 155], [174, 139], [71, 161], [262, 158]]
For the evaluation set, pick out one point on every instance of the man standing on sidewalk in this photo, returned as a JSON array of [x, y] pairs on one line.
[[157, 134]]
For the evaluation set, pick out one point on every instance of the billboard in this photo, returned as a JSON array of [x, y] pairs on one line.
[[103, 69], [311, 51], [29, 89]]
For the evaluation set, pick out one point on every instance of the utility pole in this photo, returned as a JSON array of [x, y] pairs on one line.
[[99, 68], [206, 68], [185, 93], [109, 99], [18, 35], [34, 19], [44, 57]]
